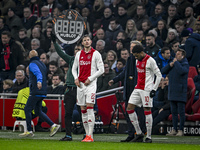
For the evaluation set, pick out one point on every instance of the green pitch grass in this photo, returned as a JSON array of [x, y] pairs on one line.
[[41, 141]]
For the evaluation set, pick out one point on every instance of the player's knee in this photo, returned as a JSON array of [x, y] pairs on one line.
[[130, 107]]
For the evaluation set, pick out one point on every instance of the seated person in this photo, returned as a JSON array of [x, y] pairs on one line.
[[57, 85], [120, 66], [162, 112], [197, 84], [7, 87], [21, 81], [18, 110]]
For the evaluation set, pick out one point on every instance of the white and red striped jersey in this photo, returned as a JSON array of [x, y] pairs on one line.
[[87, 65], [147, 69]]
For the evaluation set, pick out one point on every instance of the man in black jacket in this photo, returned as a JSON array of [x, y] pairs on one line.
[[10, 56]]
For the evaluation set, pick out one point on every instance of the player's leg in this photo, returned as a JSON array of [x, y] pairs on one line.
[[134, 101], [147, 102]]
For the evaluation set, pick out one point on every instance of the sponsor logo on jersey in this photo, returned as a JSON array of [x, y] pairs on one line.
[[140, 70], [84, 63]]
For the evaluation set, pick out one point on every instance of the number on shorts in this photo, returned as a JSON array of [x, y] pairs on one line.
[[146, 98]]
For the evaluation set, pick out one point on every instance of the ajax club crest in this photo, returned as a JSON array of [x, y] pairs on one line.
[[69, 27]]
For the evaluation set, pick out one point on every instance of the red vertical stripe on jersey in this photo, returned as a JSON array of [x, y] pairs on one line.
[[85, 62], [141, 70]]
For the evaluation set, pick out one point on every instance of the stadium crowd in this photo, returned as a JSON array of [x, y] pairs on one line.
[[162, 26]]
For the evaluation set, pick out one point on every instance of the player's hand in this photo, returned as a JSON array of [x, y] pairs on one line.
[[53, 37], [87, 82], [174, 60], [77, 82], [110, 82], [152, 93], [171, 64], [39, 85]]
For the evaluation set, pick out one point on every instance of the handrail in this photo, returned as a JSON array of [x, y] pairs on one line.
[[62, 95]]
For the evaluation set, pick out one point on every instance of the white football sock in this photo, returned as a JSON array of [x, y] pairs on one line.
[[91, 120], [85, 121], [134, 120]]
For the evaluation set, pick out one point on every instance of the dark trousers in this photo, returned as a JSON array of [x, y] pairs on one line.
[[158, 117], [178, 108], [69, 102], [35, 103], [40, 120]]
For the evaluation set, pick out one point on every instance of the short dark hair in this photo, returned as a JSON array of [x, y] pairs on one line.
[[137, 49], [86, 35], [150, 34], [6, 33], [23, 30], [164, 49], [56, 75], [122, 60], [183, 51], [54, 63]]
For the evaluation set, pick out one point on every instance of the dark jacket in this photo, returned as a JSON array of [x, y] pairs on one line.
[[57, 90], [18, 86], [112, 34], [129, 74], [29, 23], [163, 96], [152, 51], [70, 60], [16, 57], [102, 81], [192, 48], [161, 62], [197, 82], [178, 74], [37, 73]]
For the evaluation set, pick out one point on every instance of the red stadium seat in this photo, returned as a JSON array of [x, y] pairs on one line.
[[192, 72]]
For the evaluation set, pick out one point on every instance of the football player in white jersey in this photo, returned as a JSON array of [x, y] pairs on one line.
[[144, 91], [88, 66]]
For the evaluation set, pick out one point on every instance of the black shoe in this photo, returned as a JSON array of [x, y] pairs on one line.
[[138, 138], [66, 138], [148, 140], [128, 139]]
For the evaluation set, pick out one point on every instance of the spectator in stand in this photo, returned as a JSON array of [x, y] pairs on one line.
[[7, 87], [114, 6], [158, 40], [122, 15], [24, 40], [149, 7], [54, 69], [158, 13], [28, 19], [3, 25], [51, 4], [179, 26], [140, 37], [5, 5], [171, 37], [174, 47], [165, 4], [67, 4], [163, 111], [113, 29], [124, 54], [178, 73], [152, 48], [57, 11], [119, 46], [14, 23], [111, 59], [162, 29], [140, 15], [62, 62], [53, 55], [36, 6], [189, 17], [119, 67], [57, 86], [11, 56], [192, 47], [163, 58], [181, 6], [197, 84], [131, 29], [131, 7], [171, 16], [146, 26], [45, 59], [102, 81], [45, 16], [197, 25], [196, 6], [98, 9], [47, 37], [100, 47], [107, 16], [35, 44], [21, 81]]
